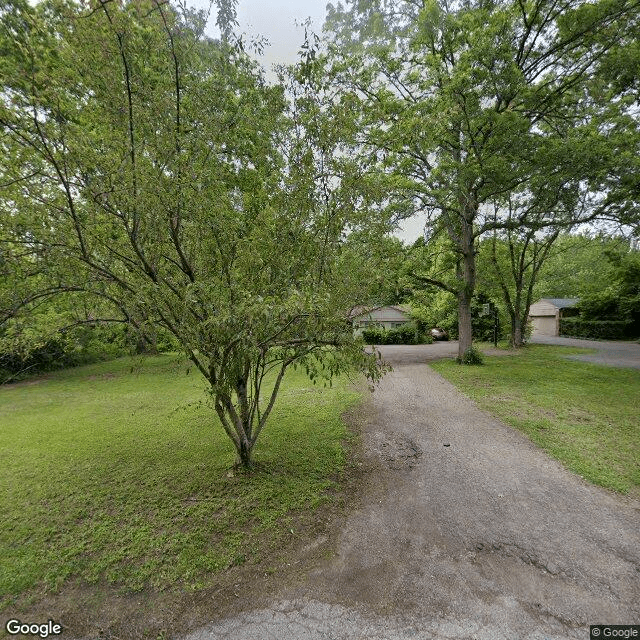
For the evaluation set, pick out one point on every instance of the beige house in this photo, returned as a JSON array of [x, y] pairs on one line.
[[389, 317], [546, 313]]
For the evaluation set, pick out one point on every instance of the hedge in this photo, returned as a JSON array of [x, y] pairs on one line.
[[405, 334], [597, 329]]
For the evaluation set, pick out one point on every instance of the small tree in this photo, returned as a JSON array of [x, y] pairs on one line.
[[510, 263], [150, 168]]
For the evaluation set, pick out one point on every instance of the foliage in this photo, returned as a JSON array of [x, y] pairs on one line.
[[81, 345], [584, 415], [435, 308], [509, 265], [152, 507], [482, 319], [23, 356], [597, 329], [620, 300], [406, 334], [151, 174], [578, 267], [374, 261], [471, 356], [478, 116]]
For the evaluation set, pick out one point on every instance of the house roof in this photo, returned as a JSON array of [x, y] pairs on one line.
[[562, 303]]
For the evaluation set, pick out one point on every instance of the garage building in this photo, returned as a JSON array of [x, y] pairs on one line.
[[546, 313]]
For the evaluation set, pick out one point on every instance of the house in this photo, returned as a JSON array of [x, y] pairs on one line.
[[387, 317], [546, 313]]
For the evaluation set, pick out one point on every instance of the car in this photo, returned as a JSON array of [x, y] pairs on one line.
[[439, 334]]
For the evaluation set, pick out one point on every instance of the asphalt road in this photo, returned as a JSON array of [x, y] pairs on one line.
[[610, 353], [465, 530]]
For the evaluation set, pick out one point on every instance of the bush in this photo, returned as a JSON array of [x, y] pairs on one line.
[[80, 345], [406, 334], [374, 335], [471, 356], [46, 357], [597, 329]]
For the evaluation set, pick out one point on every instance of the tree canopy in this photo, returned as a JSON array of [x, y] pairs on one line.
[[150, 173], [479, 114]]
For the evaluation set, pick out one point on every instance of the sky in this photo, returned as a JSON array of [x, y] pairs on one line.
[[276, 20]]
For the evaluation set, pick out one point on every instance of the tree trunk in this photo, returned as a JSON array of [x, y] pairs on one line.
[[516, 331], [243, 421], [465, 332], [243, 458], [464, 324]]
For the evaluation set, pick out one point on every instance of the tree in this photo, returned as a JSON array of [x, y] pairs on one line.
[[458, 104], [151, 169], [509, 265], [616, 89], [578, 266], [620, 300]]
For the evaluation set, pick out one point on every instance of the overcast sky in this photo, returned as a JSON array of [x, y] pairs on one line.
[[276, 20]]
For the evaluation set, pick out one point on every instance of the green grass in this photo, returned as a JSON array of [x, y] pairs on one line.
[[585, 415], [109, 474]]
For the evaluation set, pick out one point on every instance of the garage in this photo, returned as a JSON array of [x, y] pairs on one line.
[[546, 313]]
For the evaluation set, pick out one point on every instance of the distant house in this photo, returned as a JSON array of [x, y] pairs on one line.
[[546, 313], [389, 317]]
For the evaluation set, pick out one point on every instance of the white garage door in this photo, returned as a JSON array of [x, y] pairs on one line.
[[544, 325]]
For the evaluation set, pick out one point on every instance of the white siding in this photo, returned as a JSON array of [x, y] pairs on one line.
[[543, 308], [384, 314], [387, 317]]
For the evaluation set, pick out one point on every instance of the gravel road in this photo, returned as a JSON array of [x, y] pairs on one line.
[[465, 530]]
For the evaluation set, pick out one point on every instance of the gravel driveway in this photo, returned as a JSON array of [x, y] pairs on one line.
[[465, 530]]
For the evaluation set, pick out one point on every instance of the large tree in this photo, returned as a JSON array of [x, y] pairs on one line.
[[578, 266], [458, 103], [151, 169]]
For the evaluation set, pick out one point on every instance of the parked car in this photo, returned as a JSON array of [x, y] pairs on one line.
[[439, 334]]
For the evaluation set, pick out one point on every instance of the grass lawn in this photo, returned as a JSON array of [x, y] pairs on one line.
[[121, 476], [585, 415]]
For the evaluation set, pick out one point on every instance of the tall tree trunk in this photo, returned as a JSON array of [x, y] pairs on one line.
[[465, 338], [465, 295], [517, 333]]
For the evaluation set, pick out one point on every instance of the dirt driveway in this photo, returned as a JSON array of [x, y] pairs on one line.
[[465, 530]]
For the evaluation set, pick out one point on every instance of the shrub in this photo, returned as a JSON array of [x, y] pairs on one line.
[[406, 334], [426, 338], [373, 335], [80, 345], [471, 356], [597, 329]]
